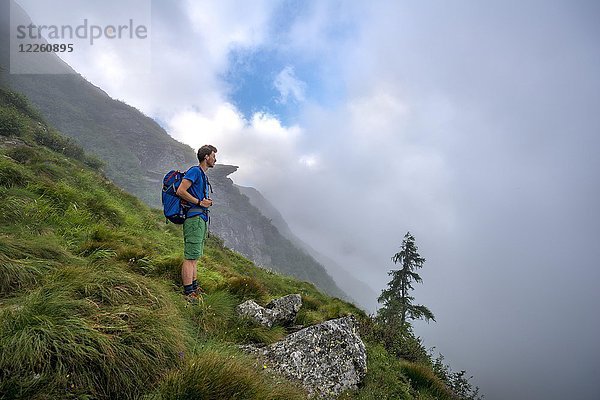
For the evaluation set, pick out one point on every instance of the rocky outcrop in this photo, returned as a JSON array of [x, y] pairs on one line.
[[280, 311], [326, 359]]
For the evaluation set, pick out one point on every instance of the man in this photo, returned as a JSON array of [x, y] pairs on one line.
[[194, 189]]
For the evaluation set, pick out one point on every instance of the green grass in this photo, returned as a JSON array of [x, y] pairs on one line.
[[90, 296], [425, 381], [218, 374]]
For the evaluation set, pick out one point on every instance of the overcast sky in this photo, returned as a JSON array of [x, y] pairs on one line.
[[473, 125]]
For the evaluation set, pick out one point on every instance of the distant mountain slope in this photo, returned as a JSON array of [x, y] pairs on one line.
[[358, 291]]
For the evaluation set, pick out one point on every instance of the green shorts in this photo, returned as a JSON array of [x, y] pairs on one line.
[[194, 233]]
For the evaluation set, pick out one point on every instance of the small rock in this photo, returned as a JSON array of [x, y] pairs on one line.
[[280, 311], [286, 308], [261, 315]]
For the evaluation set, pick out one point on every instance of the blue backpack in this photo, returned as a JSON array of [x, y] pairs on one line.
[[174, 208]]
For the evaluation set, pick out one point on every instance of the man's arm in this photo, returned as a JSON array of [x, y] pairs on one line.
[[182, 191]]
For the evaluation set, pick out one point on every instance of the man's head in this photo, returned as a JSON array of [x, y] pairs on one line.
[[206, 154]]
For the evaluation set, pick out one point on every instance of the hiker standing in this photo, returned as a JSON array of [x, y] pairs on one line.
[[194, 189]]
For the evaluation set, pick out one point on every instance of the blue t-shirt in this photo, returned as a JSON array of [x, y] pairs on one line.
[[198, 189]]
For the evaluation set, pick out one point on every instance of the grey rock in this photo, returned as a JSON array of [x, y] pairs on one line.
[[263, 316], [280, 311], [285, 308], [326, 359]]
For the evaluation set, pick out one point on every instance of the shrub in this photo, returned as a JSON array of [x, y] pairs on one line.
[[94, 162], [20, 102], [401, 342], [59, 143], [12, 122], [458, 382], [23, 154]]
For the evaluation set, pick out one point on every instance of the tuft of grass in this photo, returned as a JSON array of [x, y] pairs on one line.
[[16, 275], [215, 313], [102, 333], [211, 280], [424, 380], [218, 375], [45, 247], [246, 287], [11, 174], [250, 333]]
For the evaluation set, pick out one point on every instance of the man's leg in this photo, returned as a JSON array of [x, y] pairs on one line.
[[188, 270], [202, 236], [192, 234]]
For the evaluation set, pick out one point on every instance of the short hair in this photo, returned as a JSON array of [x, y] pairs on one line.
[[205, 150]]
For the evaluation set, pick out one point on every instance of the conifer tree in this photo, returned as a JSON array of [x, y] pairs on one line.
[[398, 305]]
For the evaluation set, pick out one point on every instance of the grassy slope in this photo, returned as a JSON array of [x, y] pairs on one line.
[[90, 305]]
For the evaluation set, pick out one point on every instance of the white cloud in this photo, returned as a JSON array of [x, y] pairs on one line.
[[223, 25], [261, 146], [289, 86], [310, 160]]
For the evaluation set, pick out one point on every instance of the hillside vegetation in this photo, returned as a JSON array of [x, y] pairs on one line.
[[90, 302]]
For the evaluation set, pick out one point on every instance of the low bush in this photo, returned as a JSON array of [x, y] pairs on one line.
[[24, 154], [12, 122]]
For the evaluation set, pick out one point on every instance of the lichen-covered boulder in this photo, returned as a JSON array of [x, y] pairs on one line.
[[327, 358], [280, 311]]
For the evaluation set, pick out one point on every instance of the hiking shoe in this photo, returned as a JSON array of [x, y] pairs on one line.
[[192, 298]]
